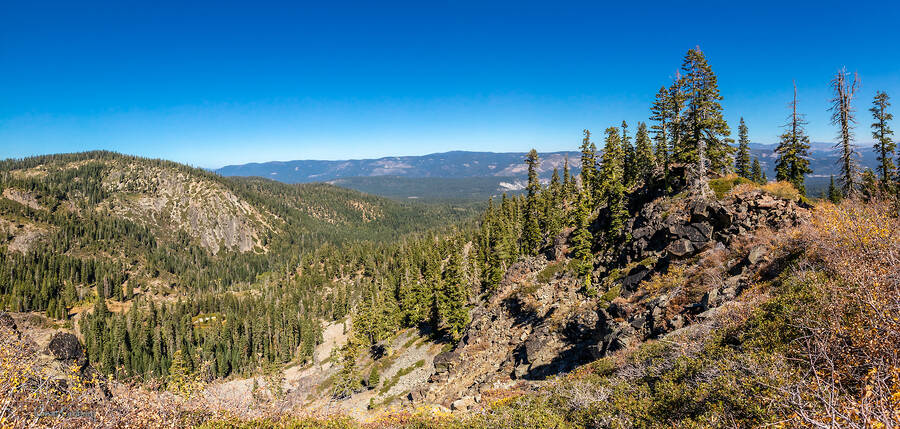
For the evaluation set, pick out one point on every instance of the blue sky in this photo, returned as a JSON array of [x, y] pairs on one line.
[[224, 82]]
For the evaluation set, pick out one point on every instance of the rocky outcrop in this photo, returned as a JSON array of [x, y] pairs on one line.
[[172, 199], [680, 229], [696, 251], [22, 197]]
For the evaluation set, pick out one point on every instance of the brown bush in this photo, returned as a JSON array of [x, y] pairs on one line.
[[853, 327], [33, 394]]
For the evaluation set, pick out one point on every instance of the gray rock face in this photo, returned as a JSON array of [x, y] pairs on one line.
[[684, 230], [533, 346]]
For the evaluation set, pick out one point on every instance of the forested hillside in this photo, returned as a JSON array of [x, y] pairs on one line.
[[171, 245]]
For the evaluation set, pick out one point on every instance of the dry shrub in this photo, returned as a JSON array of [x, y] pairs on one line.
[[34, 393], [853, 328], [498, 397], [671, 281], [744, 188], [782, 190]]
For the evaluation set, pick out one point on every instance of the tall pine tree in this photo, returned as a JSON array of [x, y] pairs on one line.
[[568, 182], [531, 233], [834, 194], [589, 167], [792, 164], [453, 296], [611, 179], [756, 173], [662, 114], [742, 160], [644, 159], [882, 133], [582, 239], [705, 142], [553, 205], [629, 167]]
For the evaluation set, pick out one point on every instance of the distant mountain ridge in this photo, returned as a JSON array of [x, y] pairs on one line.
[[462, 175], [453, 164], [459, 164]]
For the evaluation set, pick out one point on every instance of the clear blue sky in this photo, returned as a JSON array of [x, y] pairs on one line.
[[223, 82]]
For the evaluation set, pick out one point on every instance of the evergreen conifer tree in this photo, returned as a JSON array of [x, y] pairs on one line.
[[643, 154], [869, 184], [629, 168], [705, 142], [568, 182], [792, 164], [453, 297], [582, 239], [661, 113], [611, 177], [179, 375], [742, 160], [531, 235], [882, 133], [553, 205], [834, 194], [374, 378], [589, 166], [756, 173]]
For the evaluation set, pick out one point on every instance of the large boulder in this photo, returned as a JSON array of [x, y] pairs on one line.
[[534, 345], [444, 361], [65, 346], [757, 254], [559, 248], [699, 210], [699, 232], [462, 404], [7, 321], [635, 277], [681, 248]]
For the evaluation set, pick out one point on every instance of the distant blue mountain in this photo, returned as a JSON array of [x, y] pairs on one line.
[[457, 164], [390, 176], [823, 158]]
